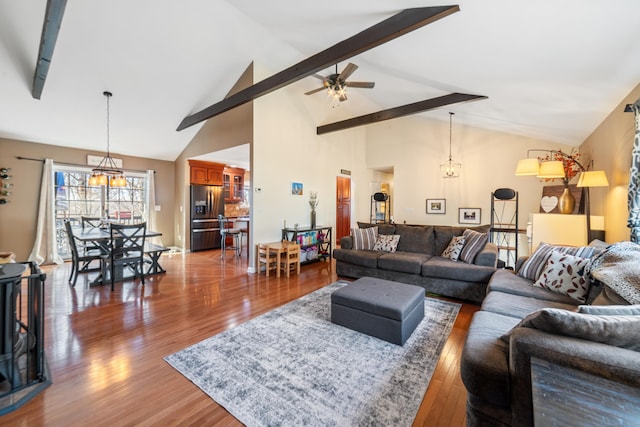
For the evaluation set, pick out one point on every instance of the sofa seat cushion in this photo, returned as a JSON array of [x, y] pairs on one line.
[[518, 306], [362, 258], [445, 268], [484, 365], [507, 282], [405, 262]]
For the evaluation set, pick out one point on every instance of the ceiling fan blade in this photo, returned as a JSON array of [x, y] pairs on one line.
[[318, 76], [348, 70], [343, 97], [311, 92], [366, 85]]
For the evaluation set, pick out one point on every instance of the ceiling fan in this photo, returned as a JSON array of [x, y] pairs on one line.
[[336, 84]]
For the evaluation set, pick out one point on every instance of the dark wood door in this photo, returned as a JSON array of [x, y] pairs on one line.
[[343, 207]]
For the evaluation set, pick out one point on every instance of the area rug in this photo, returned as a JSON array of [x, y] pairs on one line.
[[293, 367]]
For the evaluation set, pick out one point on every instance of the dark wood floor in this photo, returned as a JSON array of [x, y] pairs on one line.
[[105, 348]]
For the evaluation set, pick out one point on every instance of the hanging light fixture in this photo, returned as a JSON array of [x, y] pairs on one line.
[[107, 172], [450, 169]]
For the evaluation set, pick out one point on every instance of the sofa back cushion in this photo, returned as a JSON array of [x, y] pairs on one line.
[[415, 238], [382, 228]]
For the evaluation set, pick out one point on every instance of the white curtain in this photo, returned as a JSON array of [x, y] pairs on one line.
[[150, 203], [45, 248]]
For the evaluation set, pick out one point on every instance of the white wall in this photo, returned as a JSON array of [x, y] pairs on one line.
[[286, 149]]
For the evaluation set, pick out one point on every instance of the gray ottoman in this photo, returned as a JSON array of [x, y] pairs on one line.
[[381, 308]]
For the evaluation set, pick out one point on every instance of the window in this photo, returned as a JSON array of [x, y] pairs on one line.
[[75, 199]]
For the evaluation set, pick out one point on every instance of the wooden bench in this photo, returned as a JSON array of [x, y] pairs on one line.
[[154, 252]]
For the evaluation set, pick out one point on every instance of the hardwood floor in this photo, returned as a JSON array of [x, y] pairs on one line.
[[105, 348]]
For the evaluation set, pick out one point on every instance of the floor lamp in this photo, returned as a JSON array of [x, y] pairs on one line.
[[587, 180]]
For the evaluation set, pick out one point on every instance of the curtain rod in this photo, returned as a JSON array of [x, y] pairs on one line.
[[72, 164]]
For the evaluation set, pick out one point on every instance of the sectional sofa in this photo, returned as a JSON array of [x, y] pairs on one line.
[[417, 260], [519, 323]]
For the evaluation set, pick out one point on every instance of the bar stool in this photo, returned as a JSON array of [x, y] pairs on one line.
[[225, 231]]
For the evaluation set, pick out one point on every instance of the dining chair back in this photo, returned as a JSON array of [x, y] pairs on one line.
[[127, 249], [291, 259], [87, 223], [81, 258], [267, 258]]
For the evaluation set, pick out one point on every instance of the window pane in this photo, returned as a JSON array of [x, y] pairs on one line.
[[75, 198]]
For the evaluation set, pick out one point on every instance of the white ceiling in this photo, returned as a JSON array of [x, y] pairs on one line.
[[551, 69]]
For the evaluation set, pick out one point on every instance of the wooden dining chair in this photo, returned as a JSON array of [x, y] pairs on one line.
[[290, 260], [87, 223], [81, 258], [267, 258], [126, 249]]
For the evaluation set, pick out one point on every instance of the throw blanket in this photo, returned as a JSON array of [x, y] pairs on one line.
[[618, 267]]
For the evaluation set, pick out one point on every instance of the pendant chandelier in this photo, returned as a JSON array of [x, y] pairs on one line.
[[450, 169], [107, 172]]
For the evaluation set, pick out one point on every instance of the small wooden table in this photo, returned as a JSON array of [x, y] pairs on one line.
[[278, 248]]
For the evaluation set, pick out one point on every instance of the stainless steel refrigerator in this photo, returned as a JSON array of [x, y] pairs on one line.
[[207, 202]]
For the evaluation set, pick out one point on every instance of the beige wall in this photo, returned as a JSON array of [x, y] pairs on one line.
[[610, 148], [229, 129], [18, 217], [416, 147]]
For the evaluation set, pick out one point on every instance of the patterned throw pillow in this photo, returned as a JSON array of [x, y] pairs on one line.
[[364, 238], [473, 244], [564, 274], [533, 266], [387, 242], [455, 247]]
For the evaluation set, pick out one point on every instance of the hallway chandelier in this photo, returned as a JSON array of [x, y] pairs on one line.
[[107, 172], [450, 169]]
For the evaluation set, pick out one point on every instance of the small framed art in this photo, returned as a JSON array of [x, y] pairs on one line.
[[436, 206], [469, 215], [296, 189]]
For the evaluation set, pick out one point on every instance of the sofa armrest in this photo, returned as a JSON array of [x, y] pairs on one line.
[[602, 360], [488, 256], [346, 242]]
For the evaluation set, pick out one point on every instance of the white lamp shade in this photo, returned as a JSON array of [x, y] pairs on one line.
[[527, 167], [593, 179], [551, 169]]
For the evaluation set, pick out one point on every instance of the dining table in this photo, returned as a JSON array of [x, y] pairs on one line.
[[101, 238]]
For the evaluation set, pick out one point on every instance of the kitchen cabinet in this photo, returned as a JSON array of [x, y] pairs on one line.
[[206, 173], [233, 179]]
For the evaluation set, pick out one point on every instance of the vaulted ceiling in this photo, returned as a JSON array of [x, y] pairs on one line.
[[551, 70]]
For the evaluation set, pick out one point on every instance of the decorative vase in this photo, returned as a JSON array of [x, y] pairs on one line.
[[566, 202], [313, 219]]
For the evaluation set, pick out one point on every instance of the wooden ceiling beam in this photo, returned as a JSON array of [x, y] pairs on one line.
[[382, 32], [50, 29], [404, 110]]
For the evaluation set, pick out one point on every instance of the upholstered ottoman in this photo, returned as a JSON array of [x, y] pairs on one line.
[[381, 308]]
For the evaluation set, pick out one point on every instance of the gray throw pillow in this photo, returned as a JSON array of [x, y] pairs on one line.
[[473, 244], [364, 238], [610, 310], [617, 330]]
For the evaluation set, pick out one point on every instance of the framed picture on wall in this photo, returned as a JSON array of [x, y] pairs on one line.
[[436, 206], [469, 215], [296, 189]]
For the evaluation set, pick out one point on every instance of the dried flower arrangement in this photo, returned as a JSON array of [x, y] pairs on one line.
[[571, 162]]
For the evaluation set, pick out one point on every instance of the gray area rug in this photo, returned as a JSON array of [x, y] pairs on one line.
[[293, 367]]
